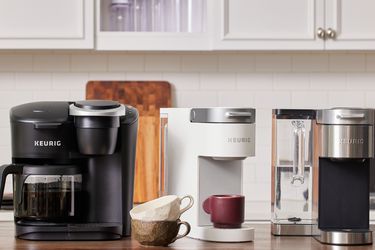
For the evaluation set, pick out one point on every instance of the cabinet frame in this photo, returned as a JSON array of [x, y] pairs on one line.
[[84, 40]]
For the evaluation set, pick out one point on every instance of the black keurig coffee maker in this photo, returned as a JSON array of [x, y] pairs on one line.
[[345, 149], [73, 169]]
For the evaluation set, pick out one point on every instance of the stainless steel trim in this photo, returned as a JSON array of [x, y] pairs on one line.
[[345, 237], [350, 116], [345, 116], [292, 229], [238, 114], [346, 141], [76, 111], [222, 115]]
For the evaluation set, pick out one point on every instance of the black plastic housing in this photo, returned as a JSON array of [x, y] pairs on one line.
[[107, 175], [44, 131]]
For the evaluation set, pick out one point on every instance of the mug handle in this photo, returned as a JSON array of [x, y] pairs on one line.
[[191, 203], [179, 236]]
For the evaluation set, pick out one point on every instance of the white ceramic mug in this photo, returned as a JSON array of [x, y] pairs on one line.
[[166, 208]]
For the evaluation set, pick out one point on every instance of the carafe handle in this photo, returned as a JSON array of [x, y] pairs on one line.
[[4, 171], [299, 152]]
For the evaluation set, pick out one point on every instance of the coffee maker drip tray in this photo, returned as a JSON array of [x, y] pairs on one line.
[[62, 231], [210, 233]]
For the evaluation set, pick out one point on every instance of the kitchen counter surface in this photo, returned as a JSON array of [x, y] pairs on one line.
[[263, 240]]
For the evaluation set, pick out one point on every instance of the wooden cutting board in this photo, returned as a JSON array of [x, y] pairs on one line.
[[148, 97]]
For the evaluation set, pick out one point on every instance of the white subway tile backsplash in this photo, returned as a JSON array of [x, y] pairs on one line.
[[33, 81], [311, 62], [5, 136], [196, 98], [309, 99], [328, 81], [363, 81], [16, 63], [346, 99], [274, 99], [134, 76], [199, 63], [182, 81], [163, 63], [51, 95], [77, 95], [51, 63], [370, 62], [258, 191], [7, 81], [273, 63], [236, 99], [263, 117], [4, 118], [287, 81], [236, 63], [10, 98], [126, 63], [61, 81], [107, 76], [254, 81], [347, 62], [218, 81], [263, 136], [89, 63]]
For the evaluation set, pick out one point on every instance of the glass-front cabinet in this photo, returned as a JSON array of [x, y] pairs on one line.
[[153, 24]]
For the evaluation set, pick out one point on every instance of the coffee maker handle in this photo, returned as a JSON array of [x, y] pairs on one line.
[[4, 171]]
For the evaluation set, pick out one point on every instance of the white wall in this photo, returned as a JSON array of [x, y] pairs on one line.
[[260, 80]]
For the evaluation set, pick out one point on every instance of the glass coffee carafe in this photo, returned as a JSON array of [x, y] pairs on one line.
[[48, 193], [292, 171]]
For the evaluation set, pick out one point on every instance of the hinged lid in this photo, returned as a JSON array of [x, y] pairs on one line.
[[97, 108], [345, 116]]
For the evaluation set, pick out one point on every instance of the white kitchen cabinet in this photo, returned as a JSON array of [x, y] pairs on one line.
[[351, 24], [295, 25], [181, 25], [46, 24], [268, 24]]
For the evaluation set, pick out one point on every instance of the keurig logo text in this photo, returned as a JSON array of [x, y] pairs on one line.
[[47, 143], [351, 140], [238, 139]]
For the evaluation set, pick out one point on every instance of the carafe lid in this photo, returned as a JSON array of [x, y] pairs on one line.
[[97, 108], [345, 116], [294, 113]]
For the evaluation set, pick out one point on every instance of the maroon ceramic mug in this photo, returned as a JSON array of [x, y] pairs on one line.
[[227, 211]]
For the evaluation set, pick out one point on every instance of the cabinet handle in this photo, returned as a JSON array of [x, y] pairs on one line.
[[331, 33], [321, 33]]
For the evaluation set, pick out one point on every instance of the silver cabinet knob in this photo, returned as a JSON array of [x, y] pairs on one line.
[[331, 33], [321, 33]]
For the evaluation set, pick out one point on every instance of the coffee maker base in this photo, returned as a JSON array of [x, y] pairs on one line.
[[55, 231], [345, 237], [292, 229], [210, 233]]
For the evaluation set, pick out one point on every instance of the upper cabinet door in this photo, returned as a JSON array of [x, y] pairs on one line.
[[351, 24], [145, 25], [46, 24], [269, 24]]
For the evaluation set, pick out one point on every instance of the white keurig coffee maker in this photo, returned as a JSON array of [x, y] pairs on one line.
[[202, 150]]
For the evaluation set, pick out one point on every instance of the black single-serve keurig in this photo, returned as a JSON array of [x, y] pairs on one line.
[[345, 150], [73, 169]]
